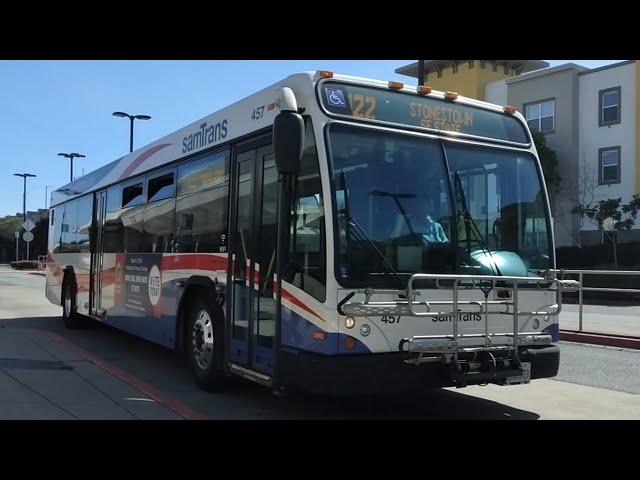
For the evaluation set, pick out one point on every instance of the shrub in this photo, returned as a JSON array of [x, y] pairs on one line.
[[24, 265]]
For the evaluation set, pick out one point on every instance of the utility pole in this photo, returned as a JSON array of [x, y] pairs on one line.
[[46, 198], [420, 72]]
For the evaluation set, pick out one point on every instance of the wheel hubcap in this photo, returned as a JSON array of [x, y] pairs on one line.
[[202, 339]]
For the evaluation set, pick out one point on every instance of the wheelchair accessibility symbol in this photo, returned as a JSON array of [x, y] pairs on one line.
[[335, 98]]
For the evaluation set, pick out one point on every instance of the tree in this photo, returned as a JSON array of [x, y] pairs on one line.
[[11, 224], [612, 212], [549, 162], [40, 237], [8, 226]]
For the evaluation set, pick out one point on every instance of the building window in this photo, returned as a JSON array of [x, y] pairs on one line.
[[541, 115], [609, 165], [609, 106]]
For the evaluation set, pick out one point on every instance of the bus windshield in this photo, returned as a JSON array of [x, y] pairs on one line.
[[409, 205]]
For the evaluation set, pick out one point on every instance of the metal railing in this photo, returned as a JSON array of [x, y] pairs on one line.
[[581, 274], [448, 344]]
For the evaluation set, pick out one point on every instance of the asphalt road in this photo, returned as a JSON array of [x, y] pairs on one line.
[[594, 382]]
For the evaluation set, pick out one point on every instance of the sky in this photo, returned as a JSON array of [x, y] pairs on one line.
[[48, 107]]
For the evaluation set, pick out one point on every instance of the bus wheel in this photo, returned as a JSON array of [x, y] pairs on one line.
[[204, 344], [72, 319]]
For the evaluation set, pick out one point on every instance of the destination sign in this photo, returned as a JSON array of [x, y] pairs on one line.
[[375, 104]]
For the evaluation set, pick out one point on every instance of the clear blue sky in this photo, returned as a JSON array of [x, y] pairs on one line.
[[47, 107]]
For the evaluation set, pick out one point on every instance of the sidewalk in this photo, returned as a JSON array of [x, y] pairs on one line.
[[616, 326], [44, 377]]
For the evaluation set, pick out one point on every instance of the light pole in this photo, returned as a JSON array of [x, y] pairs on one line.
[[132, 118], [71, 156], [24, 195], [46, 199]]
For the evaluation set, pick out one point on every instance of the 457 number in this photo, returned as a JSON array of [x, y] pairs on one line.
[[390, 319], [257, 113]]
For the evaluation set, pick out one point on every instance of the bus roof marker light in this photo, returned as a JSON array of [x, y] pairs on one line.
[[396, 85], [325, 74], [424, 90], [451, 95], [510, 109]]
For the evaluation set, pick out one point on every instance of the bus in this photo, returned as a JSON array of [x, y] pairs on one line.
[[329, 233]]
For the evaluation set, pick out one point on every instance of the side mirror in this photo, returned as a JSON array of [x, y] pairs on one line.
[[288, 141], [288, 134]]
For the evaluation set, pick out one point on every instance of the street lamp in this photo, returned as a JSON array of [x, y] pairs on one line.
[[132, 118], [24, 195], [71, 156]]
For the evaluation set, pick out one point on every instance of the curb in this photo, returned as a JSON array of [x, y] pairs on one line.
[[600, 339]]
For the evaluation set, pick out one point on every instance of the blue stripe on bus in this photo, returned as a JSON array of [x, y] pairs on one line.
[[554, 331], [297, 332]]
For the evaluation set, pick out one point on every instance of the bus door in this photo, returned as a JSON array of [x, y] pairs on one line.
[[253, 248], [97, 252]]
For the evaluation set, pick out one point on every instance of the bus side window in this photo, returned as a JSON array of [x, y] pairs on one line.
[[112, 230], [307, 256], [69, 227], [202, 204], [57, 230], [133, 210], [158, 214], [85, 211]]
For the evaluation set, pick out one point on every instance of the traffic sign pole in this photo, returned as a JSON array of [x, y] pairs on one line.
[[17, 243], [28, 225]]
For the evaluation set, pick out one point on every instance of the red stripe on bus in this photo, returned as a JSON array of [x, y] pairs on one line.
[[194, 261], [171, 403], [138, 161], [290, 298]]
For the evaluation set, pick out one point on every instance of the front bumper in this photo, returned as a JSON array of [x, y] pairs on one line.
[[347, 375]]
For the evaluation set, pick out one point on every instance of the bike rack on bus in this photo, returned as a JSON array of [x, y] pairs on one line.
[[427, 348]]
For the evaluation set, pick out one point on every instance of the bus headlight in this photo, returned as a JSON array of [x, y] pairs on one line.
[[535, 324], [365, 329], [349, 322]]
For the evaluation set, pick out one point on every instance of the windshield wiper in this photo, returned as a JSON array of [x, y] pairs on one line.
[[353, 222], [470, 221]]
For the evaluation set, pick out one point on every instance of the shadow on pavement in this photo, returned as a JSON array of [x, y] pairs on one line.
[[244, 400]]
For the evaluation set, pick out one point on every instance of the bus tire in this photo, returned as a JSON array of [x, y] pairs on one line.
[[204, 343], [72, 319]]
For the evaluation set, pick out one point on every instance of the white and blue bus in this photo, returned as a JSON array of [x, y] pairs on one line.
[[329, 233]]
